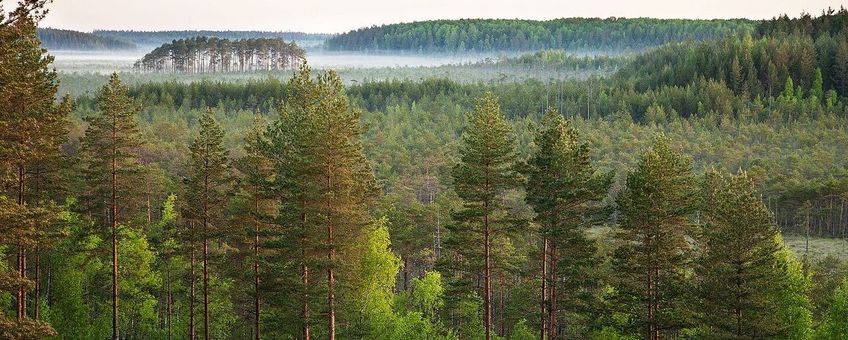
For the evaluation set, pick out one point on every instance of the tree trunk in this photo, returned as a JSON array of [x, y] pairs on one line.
[[256, 270], [406, 273], [35, 306], [544, 300], [305, 269], [552, 312], [114, 217], [191, 329], [331, 256], [487, 290], [206, 334], [22, 273]]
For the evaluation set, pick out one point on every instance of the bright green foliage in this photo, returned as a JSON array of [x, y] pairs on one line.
[[817, 89], [370, 281], [834, 325], [651, 266], [791, 295], [521, 331]]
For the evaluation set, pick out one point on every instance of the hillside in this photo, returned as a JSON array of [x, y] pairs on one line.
[[486, 35]]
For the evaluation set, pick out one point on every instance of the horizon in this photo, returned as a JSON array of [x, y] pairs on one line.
[[305, 18]]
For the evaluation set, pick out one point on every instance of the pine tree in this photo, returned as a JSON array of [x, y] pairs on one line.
[[32, 128], [487, 169], [738, 256], [255, 170], [323, 181], [565, 191], [206, 185], [651, 265], [111, 163]]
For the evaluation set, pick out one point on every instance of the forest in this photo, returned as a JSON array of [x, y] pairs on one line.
[[156, 38], [210, 55], [479, 35], [694, 190], [59, 39]]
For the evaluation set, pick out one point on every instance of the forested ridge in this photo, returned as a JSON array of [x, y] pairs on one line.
[[484, 35], [59, 39], [156, 38], [630, 204]]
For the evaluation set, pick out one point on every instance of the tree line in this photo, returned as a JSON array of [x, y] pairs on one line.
[[59, 39], [486, 35], [211, 55], [156, 38]]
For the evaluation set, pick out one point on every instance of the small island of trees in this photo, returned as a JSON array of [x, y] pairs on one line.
[[210, 55]]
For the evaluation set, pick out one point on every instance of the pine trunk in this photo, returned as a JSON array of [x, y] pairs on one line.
[[552, 312], [21, 293], [544, 299], [487, 290], [114, 218], [193, 296], [305, 270], [256, 270]]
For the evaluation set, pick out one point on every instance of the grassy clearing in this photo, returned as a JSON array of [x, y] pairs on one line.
[[819, 247]]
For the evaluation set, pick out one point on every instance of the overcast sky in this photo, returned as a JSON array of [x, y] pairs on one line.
[[334, 16]]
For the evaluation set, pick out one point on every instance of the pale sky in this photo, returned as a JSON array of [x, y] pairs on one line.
[[335, 16]]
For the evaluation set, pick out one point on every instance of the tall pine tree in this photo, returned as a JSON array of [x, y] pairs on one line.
[[486, 170], [32, 128], [566, 192], [208, 179], [325, 185], [652, 263], [110, 151]]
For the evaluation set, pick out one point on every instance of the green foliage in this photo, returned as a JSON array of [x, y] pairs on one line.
[[834, 325], [522, 332], [484, 35], [651, 266]]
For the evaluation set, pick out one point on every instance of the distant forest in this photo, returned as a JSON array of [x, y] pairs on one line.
[[485, 35], [156, 38], [210, 55], [59, 39]]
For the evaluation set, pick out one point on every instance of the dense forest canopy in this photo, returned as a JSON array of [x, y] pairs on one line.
[[211, 55], [697, 190], [156, 38], [59, 39], [486, 35]]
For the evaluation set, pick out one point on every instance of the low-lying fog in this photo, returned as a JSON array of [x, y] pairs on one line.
[[111, 61]]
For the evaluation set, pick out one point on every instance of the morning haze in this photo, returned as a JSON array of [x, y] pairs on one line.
[[336, 16]]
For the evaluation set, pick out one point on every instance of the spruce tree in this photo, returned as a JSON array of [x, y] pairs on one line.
[[208, 179], [486, 170], [566, 192], [110, 151], [651, 265]]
